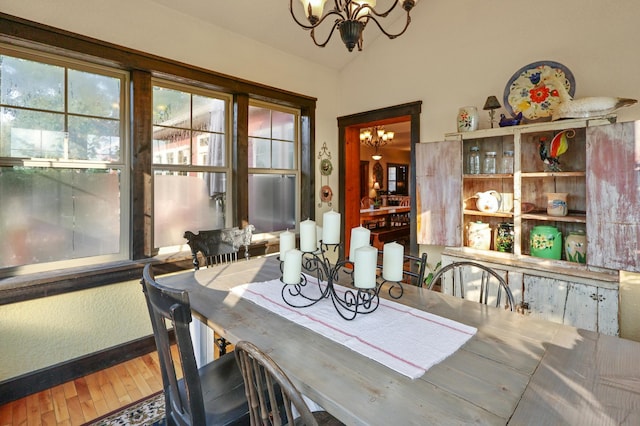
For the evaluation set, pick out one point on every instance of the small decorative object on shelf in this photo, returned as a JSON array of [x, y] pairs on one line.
[[510, 121], [491, 104], [322, 275], [507, 162], [546, 242], [479, 235], [474, 161], [558, 146], [568, 107], [489, 167], [557, 203], [488, 201], [575, 247], [467, 119], [504, 237]]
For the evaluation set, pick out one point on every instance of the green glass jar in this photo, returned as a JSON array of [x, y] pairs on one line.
[[546, 241]]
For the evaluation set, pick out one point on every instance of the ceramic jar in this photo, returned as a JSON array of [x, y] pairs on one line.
[[479, 235], [557, 204], [575, 247], [504, 237], [468, 119], [546, 241]]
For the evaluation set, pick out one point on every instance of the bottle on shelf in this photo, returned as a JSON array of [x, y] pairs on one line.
[[489, 162], [474, 161], [507, 162]]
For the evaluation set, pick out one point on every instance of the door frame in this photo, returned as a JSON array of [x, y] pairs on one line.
[[349, 162]]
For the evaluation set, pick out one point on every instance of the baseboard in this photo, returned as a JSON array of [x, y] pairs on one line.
[[49, 377]]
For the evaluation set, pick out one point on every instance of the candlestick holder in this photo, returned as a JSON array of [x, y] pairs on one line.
[[319, 279]]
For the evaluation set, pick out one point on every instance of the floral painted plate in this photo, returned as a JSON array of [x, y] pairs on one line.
[[525, 92]]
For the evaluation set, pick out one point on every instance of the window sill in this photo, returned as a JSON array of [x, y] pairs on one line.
[[33, 286]]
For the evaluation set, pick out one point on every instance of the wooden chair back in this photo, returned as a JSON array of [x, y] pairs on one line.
[[474, 281], [183, 399], [271, 394]]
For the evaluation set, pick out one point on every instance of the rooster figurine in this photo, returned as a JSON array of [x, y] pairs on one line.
[[558, 146]]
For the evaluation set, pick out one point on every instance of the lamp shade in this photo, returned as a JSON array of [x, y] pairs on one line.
[[491, 103], [376, 185]]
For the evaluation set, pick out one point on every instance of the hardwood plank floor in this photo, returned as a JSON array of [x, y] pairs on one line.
[[89, 397]]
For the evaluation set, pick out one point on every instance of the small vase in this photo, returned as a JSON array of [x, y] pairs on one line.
[[468, 119], [575, 247], [557, 204], [546, 242]]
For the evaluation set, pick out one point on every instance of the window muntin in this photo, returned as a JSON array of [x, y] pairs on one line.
[[63, 181], [190, 161], [274, 177]]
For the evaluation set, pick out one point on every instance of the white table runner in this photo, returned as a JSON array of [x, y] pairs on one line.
[[408, 340]]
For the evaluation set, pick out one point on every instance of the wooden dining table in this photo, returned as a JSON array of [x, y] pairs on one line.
[[514, 370]]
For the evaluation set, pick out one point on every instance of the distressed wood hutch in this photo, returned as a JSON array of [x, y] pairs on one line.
[[601, 173]]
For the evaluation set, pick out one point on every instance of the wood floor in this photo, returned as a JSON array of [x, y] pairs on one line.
[[87, 398]]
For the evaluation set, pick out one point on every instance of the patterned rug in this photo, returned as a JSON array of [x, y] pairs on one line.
[[147, 412]]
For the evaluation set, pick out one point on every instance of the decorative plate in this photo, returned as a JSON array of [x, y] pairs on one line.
[[526, 93], [326, 194], [326, 167]]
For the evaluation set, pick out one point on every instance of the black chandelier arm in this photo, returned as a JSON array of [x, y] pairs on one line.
[[391, 36]]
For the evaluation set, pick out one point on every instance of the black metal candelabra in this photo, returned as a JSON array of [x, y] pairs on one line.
[[320, 277]]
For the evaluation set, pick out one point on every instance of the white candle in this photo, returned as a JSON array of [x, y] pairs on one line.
[[287, 242], [308, 241], [331, 227], [392, 259], [364, 268], [360, 236], [292, 267]]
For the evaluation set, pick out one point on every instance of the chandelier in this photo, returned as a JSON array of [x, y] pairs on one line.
[[351, 16], [376, 138]]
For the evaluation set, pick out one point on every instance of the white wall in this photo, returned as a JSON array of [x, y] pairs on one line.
[[458, 52]]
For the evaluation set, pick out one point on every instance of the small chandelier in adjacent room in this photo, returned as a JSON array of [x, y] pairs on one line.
[[350, 18], [376, 138]]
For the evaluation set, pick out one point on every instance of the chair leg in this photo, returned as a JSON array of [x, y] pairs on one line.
[[221, 343]]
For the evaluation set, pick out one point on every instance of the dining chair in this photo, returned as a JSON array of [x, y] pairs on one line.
[[218, 246], [414, 268], [271, 394], [210, 395], [474, 281]]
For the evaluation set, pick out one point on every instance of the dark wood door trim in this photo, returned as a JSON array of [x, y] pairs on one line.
[[349, 162]]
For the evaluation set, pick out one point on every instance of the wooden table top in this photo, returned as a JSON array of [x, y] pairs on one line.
[[386, 210], [515, 370]]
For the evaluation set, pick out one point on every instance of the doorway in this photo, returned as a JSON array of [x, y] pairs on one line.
[[349, 160]]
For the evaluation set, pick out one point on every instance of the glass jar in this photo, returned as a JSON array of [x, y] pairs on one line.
[[473, 167], [507, 162], [489, 163]]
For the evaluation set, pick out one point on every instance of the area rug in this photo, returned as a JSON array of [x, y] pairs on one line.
[[146, 412]]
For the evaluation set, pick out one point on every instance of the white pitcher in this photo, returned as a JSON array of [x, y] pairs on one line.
[[488, 201]]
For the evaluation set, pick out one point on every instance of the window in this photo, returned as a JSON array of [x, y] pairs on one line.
[[63, 172], [190, 161], [397, 179], [273, 167]]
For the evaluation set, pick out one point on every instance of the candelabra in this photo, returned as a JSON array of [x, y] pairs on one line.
[[319, 278]]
